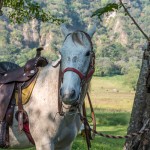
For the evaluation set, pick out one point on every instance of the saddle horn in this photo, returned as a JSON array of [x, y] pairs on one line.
[[38, 51]]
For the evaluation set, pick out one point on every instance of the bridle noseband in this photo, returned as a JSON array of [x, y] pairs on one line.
[[83, 77]]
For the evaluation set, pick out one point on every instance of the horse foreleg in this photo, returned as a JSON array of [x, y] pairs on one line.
[[45, 147], [65, 148]]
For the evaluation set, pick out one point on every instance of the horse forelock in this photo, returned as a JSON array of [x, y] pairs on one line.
[[79, 37]]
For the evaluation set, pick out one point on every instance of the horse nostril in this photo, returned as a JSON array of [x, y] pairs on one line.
[[72, 94], [67, 94]]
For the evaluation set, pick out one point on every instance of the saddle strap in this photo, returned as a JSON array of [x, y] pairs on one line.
[[22, 116], [60, 109], [27, 132], [20, 108], [4, 135], [10, 112]]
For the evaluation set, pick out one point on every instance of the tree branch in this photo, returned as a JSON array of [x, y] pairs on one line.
[[25, 10], [126, 10]]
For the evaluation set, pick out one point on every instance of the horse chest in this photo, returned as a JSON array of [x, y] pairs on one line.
[[66, 133]]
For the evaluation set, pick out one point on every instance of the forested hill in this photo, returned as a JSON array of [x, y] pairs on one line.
[[118, 43]]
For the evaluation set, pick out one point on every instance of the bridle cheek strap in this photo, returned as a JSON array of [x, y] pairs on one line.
[[82, 77], [91, 72]]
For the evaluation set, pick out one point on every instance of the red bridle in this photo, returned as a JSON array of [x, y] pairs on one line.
[[80, 74], [84, 78]]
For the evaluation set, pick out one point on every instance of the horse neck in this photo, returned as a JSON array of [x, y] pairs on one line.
[[45, 93]]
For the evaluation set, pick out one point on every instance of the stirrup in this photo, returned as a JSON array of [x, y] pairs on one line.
[[22, 118]]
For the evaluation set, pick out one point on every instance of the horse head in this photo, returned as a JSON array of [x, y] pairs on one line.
[[76, 63]]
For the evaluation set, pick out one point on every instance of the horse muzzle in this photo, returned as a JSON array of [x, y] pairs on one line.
[[69, 96]]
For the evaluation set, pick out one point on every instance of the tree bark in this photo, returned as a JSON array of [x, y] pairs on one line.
[[140, 117], [1, 5], [1, 2]]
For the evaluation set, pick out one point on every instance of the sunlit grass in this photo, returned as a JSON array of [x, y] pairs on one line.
[[101, 143], [112, 101], [108, 122], [111, 93]]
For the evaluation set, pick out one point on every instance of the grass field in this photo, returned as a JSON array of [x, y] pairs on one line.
[[112, 101]]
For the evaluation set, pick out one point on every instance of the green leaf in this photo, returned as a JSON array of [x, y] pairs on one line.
[[24, 10], [111, 7]]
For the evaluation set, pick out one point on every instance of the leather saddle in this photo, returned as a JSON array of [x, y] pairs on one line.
[[10, 82]]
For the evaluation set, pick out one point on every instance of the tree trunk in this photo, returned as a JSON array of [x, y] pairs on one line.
[[140, 117], [1, 2], [1, 5]]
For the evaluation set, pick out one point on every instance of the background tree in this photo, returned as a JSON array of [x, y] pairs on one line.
[[115, 30], [24, 10]]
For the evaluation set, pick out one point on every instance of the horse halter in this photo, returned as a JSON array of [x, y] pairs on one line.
[[91, 70], [84, 78]]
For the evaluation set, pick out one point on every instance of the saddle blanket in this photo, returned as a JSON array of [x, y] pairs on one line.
[[26, 93]]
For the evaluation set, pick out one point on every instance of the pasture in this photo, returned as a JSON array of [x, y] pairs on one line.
[[112, 101]]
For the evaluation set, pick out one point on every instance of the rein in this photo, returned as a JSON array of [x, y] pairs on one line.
[[85, 121]]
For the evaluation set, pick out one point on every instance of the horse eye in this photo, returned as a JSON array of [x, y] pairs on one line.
[[87, 53]]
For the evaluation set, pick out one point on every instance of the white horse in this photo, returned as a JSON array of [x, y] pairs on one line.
[[49, 129]]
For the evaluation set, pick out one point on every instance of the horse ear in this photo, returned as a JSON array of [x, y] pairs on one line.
[[92, 30], [65, 29]]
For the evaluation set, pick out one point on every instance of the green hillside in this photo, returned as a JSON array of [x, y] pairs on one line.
[[118, 43]]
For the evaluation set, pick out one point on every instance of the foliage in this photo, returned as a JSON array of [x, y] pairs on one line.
[[111, 7], [105, 67], [24, 10], [131, 77], [110, 59], [117, 43], [114, 51]]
